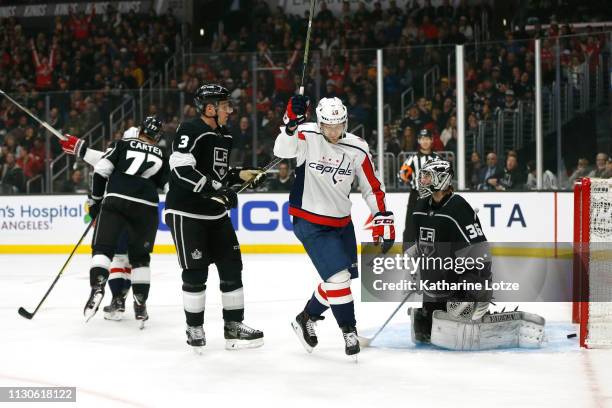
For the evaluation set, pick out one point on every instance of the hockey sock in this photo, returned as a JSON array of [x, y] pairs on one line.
[[119, 281], [233, 305], [98, 273], [141, 282], [318, 303], [341, 302]]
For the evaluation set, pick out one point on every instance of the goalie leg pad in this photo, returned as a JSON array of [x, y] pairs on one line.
[[493, 331]]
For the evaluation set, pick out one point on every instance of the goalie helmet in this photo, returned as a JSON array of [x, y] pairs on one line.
[[210, 94], [152, 127], [435, 175], [331, 111]]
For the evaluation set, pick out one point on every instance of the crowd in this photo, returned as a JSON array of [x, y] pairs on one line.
[[499, 74], [85, 64]]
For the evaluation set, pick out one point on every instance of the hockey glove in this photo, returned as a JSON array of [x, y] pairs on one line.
[[93, 206], [295, 113], [74, 146], [228, 196], [383, 230], [256, 176]]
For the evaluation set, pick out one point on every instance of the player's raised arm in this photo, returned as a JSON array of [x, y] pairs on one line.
[[288, 144]]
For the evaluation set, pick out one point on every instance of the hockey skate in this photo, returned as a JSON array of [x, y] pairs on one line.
[[238, 335], [140, 312], [93, 303], [351, 342], [115, 310], [304, 328], [196, 338]]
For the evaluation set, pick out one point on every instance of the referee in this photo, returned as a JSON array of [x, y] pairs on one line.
[[408, 175]]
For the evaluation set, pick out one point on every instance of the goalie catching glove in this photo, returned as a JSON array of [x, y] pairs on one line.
[[383, 230], [74, 146], [296, 113]]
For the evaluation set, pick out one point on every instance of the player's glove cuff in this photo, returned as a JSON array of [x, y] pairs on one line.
[[383, 230], [74, 146]]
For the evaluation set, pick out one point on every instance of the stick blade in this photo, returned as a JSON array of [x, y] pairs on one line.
[[364, 341], [24, 313]]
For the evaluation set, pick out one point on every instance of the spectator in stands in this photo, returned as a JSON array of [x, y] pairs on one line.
[[242, 142], [76, 184], [391, 144], [473, 171], [413, 120], [284, 181], [549, 180], [449, 135], [408, 140], [601, 161], [12, 179], [512, 177], [44, 67], [582, 170], [490, 174], [608, 173]]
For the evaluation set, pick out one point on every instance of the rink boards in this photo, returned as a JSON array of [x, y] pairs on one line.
[[53, 223]]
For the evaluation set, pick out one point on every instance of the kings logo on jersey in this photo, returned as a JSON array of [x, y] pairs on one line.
[[220, 162], [427, 239]]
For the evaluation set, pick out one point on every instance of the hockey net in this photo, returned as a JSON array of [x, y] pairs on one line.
[[593, 261]]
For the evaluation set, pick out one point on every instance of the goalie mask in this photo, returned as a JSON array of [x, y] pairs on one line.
[[435, 175], [152, 127], [332, 119]]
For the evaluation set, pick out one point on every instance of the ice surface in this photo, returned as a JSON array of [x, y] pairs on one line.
[[114, 363]]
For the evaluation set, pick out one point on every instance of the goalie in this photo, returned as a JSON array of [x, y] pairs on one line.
[[455, 254]]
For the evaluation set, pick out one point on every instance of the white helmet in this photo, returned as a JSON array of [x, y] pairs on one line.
[[332, 111]]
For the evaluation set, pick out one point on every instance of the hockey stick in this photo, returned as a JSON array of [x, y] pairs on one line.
[[365, 341], [307, 45], [41, 122], [28, 315]]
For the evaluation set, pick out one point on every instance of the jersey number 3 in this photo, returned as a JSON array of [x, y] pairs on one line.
[[136, 167]]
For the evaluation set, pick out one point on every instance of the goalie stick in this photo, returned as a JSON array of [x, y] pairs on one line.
[[41, 122], [24, 313]]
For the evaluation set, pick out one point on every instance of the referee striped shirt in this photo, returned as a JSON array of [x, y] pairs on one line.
[[409, 170]]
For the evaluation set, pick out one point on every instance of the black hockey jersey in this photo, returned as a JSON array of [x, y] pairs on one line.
[[448, 233], [131, 169], [199, 154]]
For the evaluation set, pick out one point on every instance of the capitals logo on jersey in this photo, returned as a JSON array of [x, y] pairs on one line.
[[338, 168], [220, 162]]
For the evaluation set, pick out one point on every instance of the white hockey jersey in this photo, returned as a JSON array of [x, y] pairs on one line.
[[93, 156], [325, 173]]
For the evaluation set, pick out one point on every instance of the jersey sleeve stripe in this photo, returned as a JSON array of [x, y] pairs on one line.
[[368, 170]]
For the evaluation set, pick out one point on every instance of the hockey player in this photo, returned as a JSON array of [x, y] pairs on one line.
[[119, 279], [408, 175], [124, 196], [447, 227], [200, 225], [328, 160]]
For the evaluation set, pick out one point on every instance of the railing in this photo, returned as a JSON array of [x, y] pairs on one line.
[[407, 93], [34, 180], [430, 77], [359, 128]]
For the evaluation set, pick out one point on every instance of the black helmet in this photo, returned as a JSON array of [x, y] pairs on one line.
[[152, 127], [212, 94], [425, 133]]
